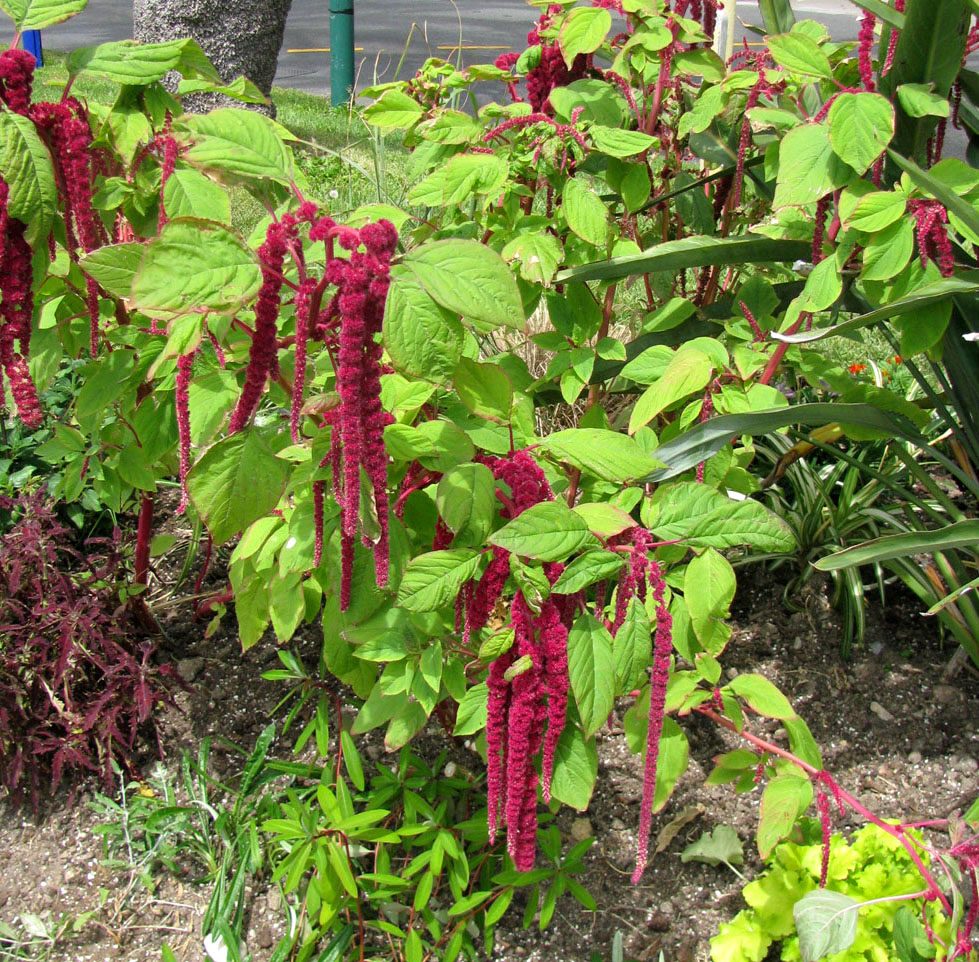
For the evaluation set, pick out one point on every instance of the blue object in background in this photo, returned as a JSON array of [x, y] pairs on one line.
[[32, 44]]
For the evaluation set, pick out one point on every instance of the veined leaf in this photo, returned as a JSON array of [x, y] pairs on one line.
[[38, 14], [590, 668], [434, 579], [549, 531], [690, 252], [27, 170], [826, 922], [606, 454]]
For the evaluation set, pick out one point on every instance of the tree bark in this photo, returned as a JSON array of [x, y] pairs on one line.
[[241, 37]]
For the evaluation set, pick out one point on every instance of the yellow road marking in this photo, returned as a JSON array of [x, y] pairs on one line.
[[468, 46], [317, 50]]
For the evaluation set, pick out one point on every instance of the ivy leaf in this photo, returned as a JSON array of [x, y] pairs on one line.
[[826, 922], [720, 845], [591, 670]]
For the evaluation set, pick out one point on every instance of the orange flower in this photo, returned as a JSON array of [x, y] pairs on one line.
[[857, 368], [896, 359]]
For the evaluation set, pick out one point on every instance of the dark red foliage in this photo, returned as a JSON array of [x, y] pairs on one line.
[[16, 78], [77, 688]]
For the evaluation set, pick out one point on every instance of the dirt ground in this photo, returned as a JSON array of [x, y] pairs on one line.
[[890, 728]]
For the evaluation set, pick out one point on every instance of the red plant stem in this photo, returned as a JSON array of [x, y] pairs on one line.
[[219, 598], [895, 831], [144, 532], [772, 366], [199, 583]]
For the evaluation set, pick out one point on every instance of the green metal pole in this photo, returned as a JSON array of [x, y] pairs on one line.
[[341, 50]]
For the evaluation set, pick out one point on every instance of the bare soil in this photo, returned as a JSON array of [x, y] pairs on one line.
[[890, 727]]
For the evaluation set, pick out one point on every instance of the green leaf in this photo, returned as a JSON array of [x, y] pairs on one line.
[[584, 211], [877, 210], [883, 11], [237, 481], [687, 373], [537, 255], [583, 32], [961, 534], [468, 278], [702, 517], [237, 144], [575, 769], [434, 579], [631, 648], [802, 743], [706, 439], [404, 726], [777, 15], [920, 100], [888, 252], [38, 14], [591, 670], [423, 339], [808, 167], [938, 189], [826, 922], [861, 126], [785, 798], [463, 177], [608, 455], [549, 531], [762, 696], [139, 64], [188, 193], [114, 266], [394, 109], [586, 569], [799, 54], [617, 142], [26, 165], [466, 499], [713, 848], [603, 519], [471, 714], [197, 266], [689, 253], [485, 389], [708, 590]]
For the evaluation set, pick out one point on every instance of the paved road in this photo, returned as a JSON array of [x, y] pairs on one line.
[[383, 28]]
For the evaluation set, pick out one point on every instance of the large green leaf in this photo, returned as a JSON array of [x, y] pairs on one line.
[[26, 167], [706, 439], [777, 15], [826, 922], [236, 144], [575, 769], [934, 293], [195, 265], [929, 50], [861, 125], [38, 14], [808, 167], [549, 531], [961, 534], [114, 266], [590, 668], [690, 252], [138, 64], [433, 580], [468, 278], [605, 454], [687, 373], [237, 481], [785, 798]]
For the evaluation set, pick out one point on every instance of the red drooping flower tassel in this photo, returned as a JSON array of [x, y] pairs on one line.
[[931, 219], [185, 367], [819, 230], [16, 79], [662, 649], [865, 43], [262, 354], [303, 296]]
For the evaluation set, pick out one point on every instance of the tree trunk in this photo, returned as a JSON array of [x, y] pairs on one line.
[[242, 37]]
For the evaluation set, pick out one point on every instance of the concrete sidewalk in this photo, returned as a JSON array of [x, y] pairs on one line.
[[382, 30]]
